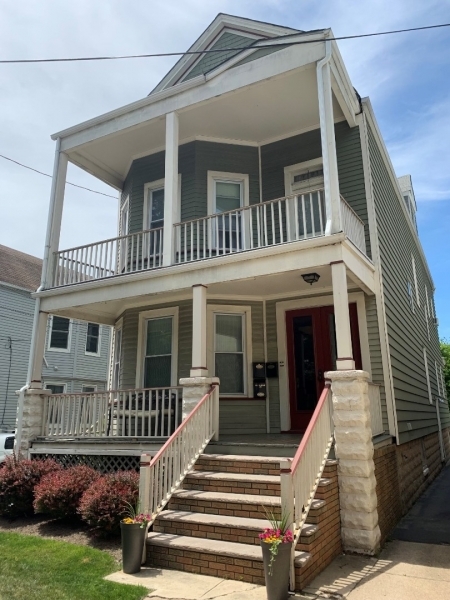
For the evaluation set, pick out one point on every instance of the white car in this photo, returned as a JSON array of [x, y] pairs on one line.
[[6, 444]]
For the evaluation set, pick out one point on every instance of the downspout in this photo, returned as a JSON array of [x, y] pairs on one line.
[[320, 90], [37, 305]]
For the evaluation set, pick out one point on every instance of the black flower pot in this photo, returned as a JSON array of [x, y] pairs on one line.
[[132, 545], [277, 584]]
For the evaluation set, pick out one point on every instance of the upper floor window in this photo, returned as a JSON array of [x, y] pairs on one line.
[[304, 177], [154, 205], [93, 339], [60, 332], [88, 389], [410, 295]]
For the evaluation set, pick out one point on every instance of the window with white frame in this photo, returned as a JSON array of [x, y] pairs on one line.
[[93, 339], [416, 285], [154, 213], [410, 295], [227, 194], [60, 331], [427, 313], [88, 389], [229, 352], [158, 352], [56, 388], [117, 358]]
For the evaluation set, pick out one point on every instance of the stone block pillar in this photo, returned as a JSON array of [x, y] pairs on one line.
[[356, 471], [29, 418], [194, 388]]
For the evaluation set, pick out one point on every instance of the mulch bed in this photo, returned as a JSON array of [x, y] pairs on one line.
[[72, 531]]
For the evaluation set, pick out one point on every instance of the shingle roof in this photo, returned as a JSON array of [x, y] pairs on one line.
[[20, 269]]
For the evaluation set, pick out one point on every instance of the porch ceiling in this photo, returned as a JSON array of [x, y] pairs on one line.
[[274, 108]]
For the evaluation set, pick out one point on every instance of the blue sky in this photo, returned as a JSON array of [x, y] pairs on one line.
[[407, 77]]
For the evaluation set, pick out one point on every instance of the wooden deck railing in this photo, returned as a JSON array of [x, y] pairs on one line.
[[300, 478], [353, 226], [148, 413], [164, 473]]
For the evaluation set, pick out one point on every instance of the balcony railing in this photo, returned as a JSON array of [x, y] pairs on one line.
[[149, 413], [287, 219]]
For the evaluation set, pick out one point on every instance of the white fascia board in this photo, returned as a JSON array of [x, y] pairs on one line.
[[276, 64], [295, 256], [209, 36], [368, 109], [344, 77]]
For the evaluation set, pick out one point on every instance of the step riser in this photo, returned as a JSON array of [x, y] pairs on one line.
[[231, 466], [232, 487], [250, 571], [231, 509]]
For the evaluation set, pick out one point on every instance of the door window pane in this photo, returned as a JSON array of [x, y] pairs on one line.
[[305, 364], [229, 353], [93, 338], [158, 353], [157, 208], [59, 337]]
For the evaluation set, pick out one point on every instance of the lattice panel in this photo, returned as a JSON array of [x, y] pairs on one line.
[[103, 463]]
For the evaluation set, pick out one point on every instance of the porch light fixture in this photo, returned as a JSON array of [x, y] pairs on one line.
[[311, 277]]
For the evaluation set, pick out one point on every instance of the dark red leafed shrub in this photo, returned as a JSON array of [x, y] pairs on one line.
[[58, 493], [105, 502], [18, 477]]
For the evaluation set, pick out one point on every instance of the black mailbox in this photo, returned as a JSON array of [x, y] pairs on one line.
[[259, 370], [272, 369], [259, 388]]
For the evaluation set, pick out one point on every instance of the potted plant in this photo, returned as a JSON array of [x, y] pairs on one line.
[[276, 543], [133, 530]]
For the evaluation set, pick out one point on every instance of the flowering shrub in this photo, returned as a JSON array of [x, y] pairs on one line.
[[275, 535], [106, 502], [18, 477], [59, 493]]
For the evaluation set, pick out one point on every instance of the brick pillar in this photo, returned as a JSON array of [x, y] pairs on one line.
[[356, 471], [29, 418], [194, 388]]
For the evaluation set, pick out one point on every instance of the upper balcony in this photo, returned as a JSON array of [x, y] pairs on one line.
[[284, 220]]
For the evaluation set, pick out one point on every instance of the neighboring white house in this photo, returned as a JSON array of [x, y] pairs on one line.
[[77, 353]]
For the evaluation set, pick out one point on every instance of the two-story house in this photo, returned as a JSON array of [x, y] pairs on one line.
[[264, 240], [76, 357]]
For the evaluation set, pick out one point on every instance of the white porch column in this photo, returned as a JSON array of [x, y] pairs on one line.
[[37, 351], [356, 470], [344, 359], [170, 187], [55, 212], [330, 169], [199, 368]]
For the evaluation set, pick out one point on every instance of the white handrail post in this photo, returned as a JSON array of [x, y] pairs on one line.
[[170, 187], [287, 508], [215, 409], [144, 483]]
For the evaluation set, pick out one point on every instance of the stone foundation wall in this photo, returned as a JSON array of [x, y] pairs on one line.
[[403, 473]]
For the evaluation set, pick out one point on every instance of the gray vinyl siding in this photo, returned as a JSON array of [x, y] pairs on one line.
[[195, 159], [16, 323], [208, 62], [307, 146], [376, 363], [407, 331], [76, 368], [236, 416]]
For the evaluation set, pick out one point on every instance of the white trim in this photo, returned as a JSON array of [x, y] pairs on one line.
[[416, 285], [69, 336], [214, 176], [88, 385], [52, 382], [378, 279], [144, 316], [224, 309], [427, 375], [123, 244], [156, 185], [283, 370], [118, 326], [99, 343]]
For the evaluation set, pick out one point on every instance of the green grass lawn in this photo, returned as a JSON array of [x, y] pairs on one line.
[[33, 568]]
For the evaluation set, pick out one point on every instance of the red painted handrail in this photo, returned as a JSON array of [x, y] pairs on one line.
[[309, 429], [181, 426]]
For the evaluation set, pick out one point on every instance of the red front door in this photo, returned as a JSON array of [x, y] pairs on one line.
[[311, 345]]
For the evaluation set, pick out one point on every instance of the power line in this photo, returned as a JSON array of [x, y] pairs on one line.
[[47, 175], [214, 50]]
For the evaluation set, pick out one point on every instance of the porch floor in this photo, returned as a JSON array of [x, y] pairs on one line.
[[256, 444]]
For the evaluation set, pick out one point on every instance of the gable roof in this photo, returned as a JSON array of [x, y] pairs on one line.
[[246, 32], [19, 269]]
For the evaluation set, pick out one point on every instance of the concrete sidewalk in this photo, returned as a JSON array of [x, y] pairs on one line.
[[403, 571]]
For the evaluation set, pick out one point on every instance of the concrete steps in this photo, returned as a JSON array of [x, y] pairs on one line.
[[211, 524]]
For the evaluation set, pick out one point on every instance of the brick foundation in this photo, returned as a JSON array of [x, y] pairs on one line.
[[403, 473]]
